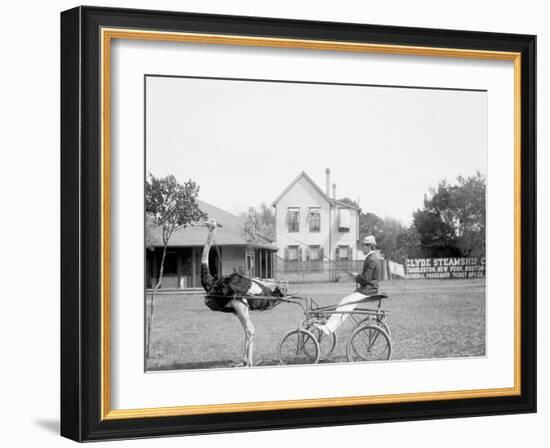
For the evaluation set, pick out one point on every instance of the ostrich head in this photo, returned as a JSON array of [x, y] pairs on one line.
[[211, 224]]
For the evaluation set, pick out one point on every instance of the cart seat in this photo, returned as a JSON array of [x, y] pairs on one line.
[[374, 297]]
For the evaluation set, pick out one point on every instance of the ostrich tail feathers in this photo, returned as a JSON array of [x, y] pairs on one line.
[[265, 304]]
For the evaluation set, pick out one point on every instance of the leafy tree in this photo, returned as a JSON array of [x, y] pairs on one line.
[[436, 237], [452, 222], [170, 206], [149, 233], [371, 224], [258, 228], [389, 240], [409, 243], [349, 201], [259, 224], [470, 203], [396, 241]]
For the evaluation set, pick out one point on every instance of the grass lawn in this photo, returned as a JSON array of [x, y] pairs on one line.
[[428, 319]]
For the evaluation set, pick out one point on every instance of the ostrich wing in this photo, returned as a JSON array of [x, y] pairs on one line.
[[225, 289], [236, 285]]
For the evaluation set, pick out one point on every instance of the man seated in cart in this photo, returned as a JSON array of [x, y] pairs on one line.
[[368, 285]]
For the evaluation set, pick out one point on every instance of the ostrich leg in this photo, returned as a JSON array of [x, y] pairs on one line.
[[242, 313]]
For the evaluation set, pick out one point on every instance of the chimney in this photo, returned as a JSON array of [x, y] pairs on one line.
[[333, 191], [327, 187]]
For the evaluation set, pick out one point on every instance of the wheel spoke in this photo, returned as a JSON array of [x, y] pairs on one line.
[[369, 343], [327, 343], [298, 347]]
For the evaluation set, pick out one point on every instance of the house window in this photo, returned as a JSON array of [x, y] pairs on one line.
[[343, 253], [344, 219], [314, 253], [293, 256], [314, 219], [293, 219], [314, 256], [292, 253]]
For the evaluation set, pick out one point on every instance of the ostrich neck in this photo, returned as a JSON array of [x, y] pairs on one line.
[[207, 245]]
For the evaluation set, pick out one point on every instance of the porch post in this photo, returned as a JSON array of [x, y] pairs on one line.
[[179, 268], [193, 268]]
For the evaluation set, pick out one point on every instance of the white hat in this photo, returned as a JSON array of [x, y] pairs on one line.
[[369, 239]]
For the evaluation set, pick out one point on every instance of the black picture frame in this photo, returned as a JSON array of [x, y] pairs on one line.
[[81, 224]]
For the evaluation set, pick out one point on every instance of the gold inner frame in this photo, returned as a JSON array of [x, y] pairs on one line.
[[107, 35]]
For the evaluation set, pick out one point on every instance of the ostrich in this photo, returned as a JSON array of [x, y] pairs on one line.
[[226, 293]]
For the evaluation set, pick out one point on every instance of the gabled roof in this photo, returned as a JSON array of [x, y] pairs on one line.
[[331, 201], [345, 205], [229, 234]]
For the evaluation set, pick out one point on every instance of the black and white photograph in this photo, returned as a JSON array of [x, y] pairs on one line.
[[295, 223], [271, 224]]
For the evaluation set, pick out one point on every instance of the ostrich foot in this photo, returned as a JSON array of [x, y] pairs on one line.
[[241, 309], [241, 364]]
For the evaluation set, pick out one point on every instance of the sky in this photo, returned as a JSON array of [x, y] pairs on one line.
[[243, 142]]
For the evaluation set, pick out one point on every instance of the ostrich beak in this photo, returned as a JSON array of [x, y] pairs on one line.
[[206, 224]]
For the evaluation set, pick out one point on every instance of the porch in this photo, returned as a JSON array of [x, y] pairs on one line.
[[182, 264]]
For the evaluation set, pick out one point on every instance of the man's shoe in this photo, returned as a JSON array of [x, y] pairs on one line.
[[323, 328]]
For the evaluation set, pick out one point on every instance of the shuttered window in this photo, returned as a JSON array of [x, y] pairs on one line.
[[314, 253], [314, 258], [292, 253], [314, 218], [293, 219], [344, 219], [343, 253]]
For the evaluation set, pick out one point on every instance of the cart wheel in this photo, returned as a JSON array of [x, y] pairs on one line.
[[379, 323], [369, 343], [384, 326], [326, 342], [298, 347]]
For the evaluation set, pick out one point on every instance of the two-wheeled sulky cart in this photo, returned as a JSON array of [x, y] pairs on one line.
[[370, 339]]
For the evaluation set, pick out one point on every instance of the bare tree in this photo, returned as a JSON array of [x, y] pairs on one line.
[[258, 228]]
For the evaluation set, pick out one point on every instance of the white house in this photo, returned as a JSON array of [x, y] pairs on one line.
[[313, 228]]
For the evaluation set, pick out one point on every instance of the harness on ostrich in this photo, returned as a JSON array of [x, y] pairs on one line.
[[254, 293]]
